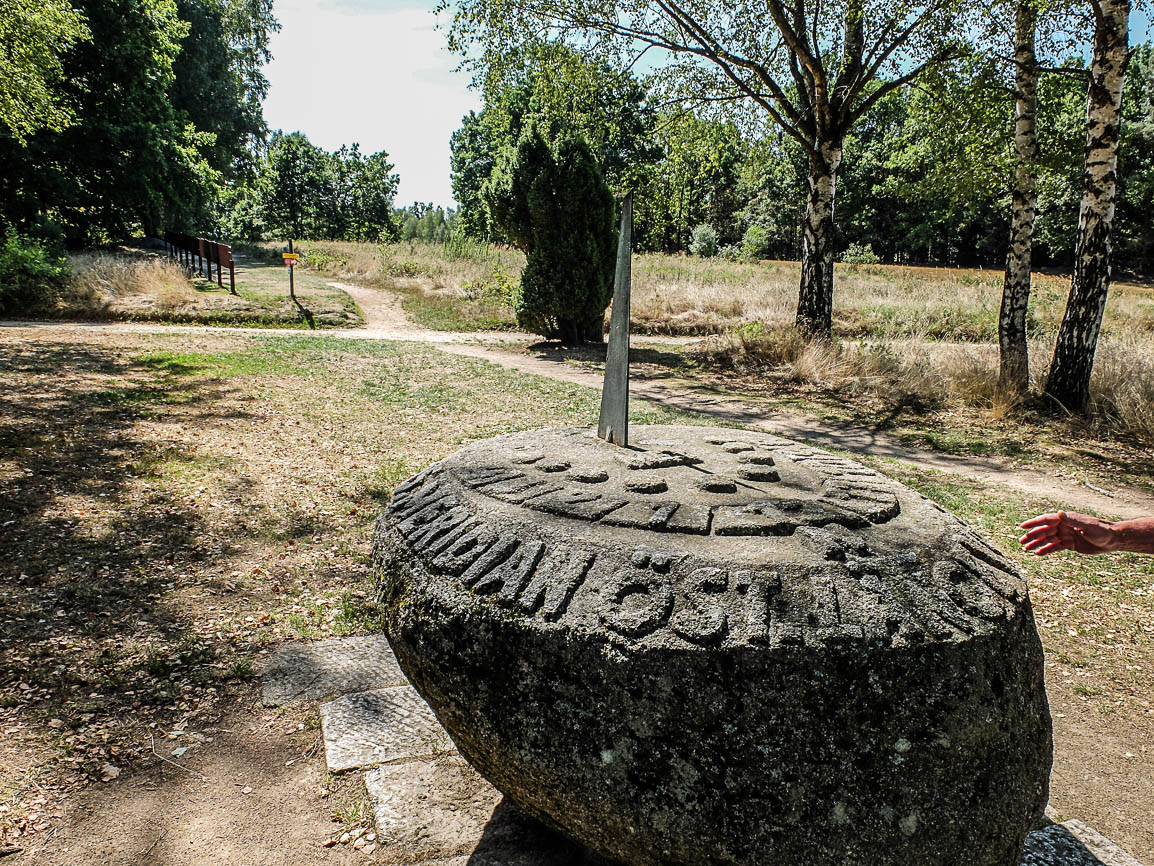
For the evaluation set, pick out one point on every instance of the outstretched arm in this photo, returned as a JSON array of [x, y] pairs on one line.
[[1069, 530]]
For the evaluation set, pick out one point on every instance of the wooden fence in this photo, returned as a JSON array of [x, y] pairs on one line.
[[197, 253]]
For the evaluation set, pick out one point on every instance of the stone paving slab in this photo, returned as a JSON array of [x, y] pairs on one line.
[[328, 668], [378, 727], [431, 808], [441, 807]]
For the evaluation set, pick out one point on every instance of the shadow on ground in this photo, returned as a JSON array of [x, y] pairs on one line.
[[513, 838], [91, 553]]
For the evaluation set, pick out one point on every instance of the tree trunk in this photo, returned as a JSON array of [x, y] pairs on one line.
[[815, 300], [1014, 374], [1069, 380]]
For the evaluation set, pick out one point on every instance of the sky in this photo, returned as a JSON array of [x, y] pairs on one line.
[[377, 72], [374, 72]]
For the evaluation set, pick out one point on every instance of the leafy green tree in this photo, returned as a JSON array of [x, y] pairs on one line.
[[218, 82], [473, 153], [129, 162], [772, 186], [815, 71], [34, 34], [552, 85], [551, 200], [358, 203], [1134, 235], [696, 182], [294, 185]]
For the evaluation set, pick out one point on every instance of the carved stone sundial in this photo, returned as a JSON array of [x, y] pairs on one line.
[[718, 646]]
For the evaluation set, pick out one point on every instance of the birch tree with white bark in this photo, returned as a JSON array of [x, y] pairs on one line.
[[1073, 363], [1013, 344]]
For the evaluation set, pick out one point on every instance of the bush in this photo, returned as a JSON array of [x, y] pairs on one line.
[[31, 276], [550, 198], [859, 254], [756, 243], [704, 242]]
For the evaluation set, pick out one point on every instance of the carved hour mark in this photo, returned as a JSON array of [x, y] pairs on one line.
[[646, 485], [589, 476], [758, 474], [737, 447], [717, 485], [553, 465], [663, 460]]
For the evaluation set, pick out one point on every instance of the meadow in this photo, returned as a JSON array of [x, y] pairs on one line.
[[926, 336]]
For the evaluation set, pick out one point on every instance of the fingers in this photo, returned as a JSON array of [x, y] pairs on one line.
[[1055, 545], [1047, 544], [1053, 519], [1038, 532]]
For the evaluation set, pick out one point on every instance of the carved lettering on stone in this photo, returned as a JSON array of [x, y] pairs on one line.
[[638, 602]]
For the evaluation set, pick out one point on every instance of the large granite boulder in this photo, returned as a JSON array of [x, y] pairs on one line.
[[720, 647]]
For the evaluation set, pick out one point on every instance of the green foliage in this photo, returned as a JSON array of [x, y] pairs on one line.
[[424, 222], [772, 186], [499, 287], [758, 242], [696, 182], [859, 254], [301, 191], [31, 275], [473, 151], [164, 101], [564, 92], [1134, 236], [551, 200], [33, 36], [292, 185], [165, 104], [704, 242], [218, 84]]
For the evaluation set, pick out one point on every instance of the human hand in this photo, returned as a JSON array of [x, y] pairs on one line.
[[1067, 530]]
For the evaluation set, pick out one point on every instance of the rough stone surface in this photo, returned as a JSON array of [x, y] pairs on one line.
[[777, 656], [379, 726], [327, 668]]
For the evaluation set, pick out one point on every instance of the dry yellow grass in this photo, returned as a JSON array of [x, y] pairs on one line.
[[941, 374], [928, 334], [446, 268], [104, 282], [678, 294], [145, 286]]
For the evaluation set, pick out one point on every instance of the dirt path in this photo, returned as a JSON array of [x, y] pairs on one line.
[[387, 320]]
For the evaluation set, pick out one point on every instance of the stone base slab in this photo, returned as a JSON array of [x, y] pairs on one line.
[[380, 727], [329, 668]]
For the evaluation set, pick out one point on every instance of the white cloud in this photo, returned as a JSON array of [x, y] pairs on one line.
[[377, 73]]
